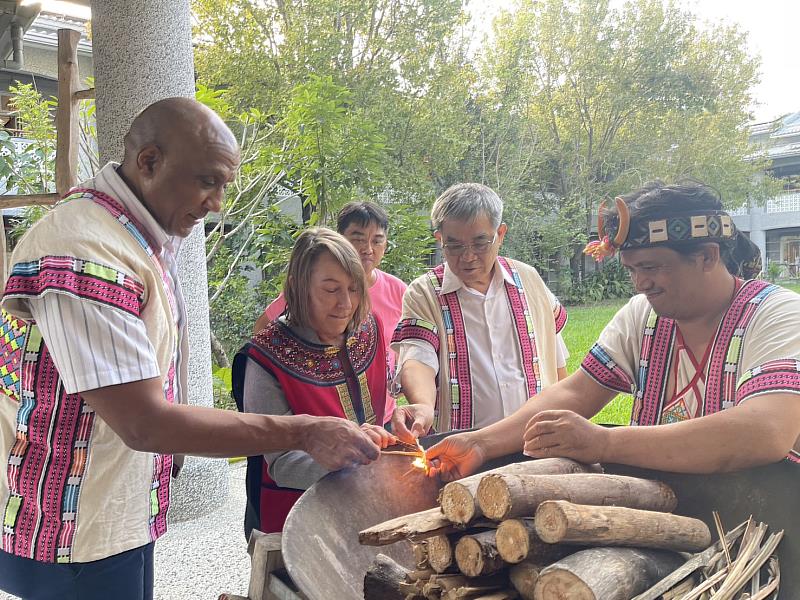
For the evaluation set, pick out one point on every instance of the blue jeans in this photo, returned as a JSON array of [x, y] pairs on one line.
[[125, 576]]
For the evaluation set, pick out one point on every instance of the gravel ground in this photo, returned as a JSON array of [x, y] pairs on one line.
[[200, 559]]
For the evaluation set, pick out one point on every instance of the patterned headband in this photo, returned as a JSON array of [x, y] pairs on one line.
[[704, 225]]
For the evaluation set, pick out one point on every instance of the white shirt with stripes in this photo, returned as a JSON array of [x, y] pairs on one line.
[[96, 345]]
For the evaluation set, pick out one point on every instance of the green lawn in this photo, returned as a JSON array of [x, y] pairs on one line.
[[583, 328]]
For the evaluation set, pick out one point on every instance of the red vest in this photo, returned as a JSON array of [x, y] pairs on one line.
[[323, 381]]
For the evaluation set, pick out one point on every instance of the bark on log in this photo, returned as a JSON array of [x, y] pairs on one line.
[[604, 574], [517, 540], [560, 521], [384, 580], [506, 496], [523, 577], [477, 554], [459, 586], [440, 553], [420, 552], [415, 527], [457, 498]]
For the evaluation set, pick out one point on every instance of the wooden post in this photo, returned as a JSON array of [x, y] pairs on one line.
[[560, 521], [67, 113], [415, 527], [505, 496]]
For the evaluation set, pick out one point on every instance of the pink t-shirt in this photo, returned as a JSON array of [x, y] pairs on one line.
[[386, 296]]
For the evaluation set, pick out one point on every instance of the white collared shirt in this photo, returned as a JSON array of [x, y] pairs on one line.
[[96, 345], [498, 380]]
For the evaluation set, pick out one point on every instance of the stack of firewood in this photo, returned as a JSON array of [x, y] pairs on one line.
[[545, 529]]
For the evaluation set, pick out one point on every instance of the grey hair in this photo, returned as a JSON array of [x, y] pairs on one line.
[[466, 202]]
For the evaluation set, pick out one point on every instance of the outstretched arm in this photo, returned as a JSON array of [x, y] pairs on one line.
[[461, 454]]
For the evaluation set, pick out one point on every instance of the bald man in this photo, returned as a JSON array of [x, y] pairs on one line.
[[93, 369]]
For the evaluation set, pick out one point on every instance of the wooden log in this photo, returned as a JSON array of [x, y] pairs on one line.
[[523, 577], [17, 200], [441, 553], [415, 527], [385, 580], [506, 496], [698, 561], [558, 521], [420, 551], [604, 574], [517, 540], [477, 554], [457, 498]]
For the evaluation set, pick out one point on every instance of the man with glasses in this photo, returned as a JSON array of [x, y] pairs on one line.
[[479, 334], [365, 225]]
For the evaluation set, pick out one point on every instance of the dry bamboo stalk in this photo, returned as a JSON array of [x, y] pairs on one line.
[[739, 578]]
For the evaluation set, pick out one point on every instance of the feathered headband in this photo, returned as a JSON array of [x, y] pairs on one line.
[[619, 232]]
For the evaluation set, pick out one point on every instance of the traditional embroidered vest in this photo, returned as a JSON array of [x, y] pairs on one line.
[[321, 381], [725, 385], [459, 381], [63, 502]]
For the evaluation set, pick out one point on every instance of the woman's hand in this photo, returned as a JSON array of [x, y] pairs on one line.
[[412, 421]]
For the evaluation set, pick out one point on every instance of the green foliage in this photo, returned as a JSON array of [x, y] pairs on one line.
[[609, 282], [402, 63], [774, 271], [410, 244], [332, 149], [221, 384], [30, 170], [581, 101]]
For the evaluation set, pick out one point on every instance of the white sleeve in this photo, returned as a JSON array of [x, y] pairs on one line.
[[417, 350], [93, 345], [562, 353]]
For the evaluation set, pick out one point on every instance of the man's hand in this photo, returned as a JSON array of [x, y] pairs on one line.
[[412, 421], [566, 434], [337, 443], [378, 435], [455, 457]]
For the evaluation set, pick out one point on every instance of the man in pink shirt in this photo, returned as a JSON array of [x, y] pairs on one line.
[[365, 225]]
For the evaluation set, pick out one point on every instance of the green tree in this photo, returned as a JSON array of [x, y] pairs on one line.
[[581, 101], [402, 63]]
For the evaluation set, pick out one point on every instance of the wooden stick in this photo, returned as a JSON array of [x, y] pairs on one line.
[[721, 536], [559, 521], [17, 200], [401, 453], [477, 554], [415, 527], [604, 574], [505, 496], [457, 498], [85, 94]]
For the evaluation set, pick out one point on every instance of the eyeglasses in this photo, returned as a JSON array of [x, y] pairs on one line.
[[476, 247]]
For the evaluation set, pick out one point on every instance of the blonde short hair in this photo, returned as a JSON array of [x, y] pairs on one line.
[[308, 247]]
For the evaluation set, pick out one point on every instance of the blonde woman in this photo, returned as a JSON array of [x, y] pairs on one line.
[[325, 356]]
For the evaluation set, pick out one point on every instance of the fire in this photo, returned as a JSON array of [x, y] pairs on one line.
[[420, 463]]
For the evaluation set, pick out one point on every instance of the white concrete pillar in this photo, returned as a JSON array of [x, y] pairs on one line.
[[143, 53]]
